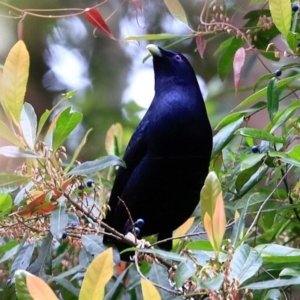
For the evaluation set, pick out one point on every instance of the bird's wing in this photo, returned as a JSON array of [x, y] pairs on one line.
[[134, 153]]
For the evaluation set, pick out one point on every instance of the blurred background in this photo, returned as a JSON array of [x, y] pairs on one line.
[[112, 82]]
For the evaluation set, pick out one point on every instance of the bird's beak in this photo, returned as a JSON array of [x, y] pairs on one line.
[[154, 50]]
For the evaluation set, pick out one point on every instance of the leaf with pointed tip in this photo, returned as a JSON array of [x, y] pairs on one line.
[[176, 10], [91, 167], [28, 124], [201, 45], [14, 81], [149, 291], [97, 275]]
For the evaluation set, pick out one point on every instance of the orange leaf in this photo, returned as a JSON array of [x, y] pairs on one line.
[[219, 221], [38, 289], [95, 18], [37, 206], [207, 223], [183, 229]]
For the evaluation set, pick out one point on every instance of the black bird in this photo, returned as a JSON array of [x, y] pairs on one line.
[[167, 157]]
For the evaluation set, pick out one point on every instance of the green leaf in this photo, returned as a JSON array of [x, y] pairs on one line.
[[151, 37], [77, 151], [223, 46], [272, 284], [5, 203], [65, 124], [225, 63], [7, 134], [9, 183], [176, 10], [260, 134], [213, 284], [8, 246], [230, 119], [14, 81], [59, 220], [238, 228], [245, 263], [184, 271], [262, 79], [251, 160], [224, 136], [263, 92], [16, 152], [91, 167], [286, 114], [273, 294], [209, 193], [244, 176], [47, 113], [28, 124], [281, 15], [273, 98], [253, 180], [292, 41]]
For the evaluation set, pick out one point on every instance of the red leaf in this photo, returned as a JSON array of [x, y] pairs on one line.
[[238, 64], [201, 44], [95, 18], [137, 4]]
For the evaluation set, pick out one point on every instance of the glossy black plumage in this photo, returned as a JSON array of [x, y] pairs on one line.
[[167, 157]]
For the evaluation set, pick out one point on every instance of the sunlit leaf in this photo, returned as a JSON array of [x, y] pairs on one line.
[[281, 15], [292, 41], [182, 230], [97, 275], [8, 134], [14, 81], [5, 203], [16, 152], [176, 10], [113, 139], [9, 183], [238, 64], [149, 291]]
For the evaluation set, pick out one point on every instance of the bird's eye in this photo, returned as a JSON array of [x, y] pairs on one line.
[[178, 57]]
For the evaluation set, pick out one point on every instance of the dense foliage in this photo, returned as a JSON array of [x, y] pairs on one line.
[[243, 242]]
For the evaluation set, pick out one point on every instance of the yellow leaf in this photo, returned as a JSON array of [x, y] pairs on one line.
[[149, 291], [113, 139], [97, 275], [176, 10], [219, 222], [183, 229], [14, 81], [281, 13], [38, 289], [209, 194]]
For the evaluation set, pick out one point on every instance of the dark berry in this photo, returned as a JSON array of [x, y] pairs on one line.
[[278, 72], [140, 223], [90, 182], [295, 7], [81, 186], [255, 149], [64, 235], [136, 230]]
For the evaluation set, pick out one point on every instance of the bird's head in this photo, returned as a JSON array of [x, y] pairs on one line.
[[171, 67]]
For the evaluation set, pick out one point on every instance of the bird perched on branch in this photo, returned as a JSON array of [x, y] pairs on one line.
[[167, 157]]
